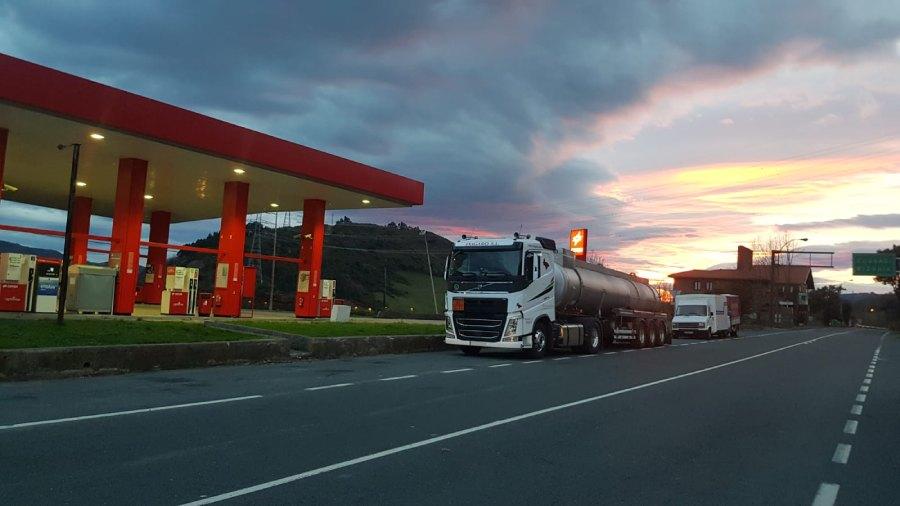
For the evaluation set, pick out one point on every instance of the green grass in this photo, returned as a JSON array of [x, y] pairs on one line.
[[417, 300], [46, 333], [349, 329]]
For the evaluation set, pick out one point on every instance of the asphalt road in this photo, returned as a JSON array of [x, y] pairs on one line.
[[769, 418]]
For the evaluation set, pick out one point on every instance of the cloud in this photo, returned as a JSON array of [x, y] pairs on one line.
[[861, 220]]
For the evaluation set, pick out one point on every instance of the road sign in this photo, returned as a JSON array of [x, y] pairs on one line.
[[874, 264]]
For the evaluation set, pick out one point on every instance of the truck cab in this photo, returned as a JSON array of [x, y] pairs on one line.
[[496, 290]]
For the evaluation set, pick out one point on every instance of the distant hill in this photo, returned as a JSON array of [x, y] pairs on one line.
[[365, 259], [11, 247]]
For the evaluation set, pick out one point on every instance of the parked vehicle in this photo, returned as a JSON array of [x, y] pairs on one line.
[[706, 315], [522, 293]]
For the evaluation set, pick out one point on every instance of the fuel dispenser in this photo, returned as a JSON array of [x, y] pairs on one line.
[[16, 281], [326, 298], [46, 293], [180, 295]]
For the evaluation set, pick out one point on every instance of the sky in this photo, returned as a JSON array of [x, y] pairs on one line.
[[673, 131]]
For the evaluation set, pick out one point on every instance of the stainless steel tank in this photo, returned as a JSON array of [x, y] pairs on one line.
[[583, 288]]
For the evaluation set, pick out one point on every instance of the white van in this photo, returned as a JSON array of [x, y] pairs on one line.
[[706, 315]]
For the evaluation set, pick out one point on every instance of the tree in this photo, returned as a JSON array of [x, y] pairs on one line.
[[762, 248], [825, 302], [894, 281]]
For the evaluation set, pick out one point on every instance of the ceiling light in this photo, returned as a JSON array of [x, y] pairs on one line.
[[273, 204], [80, 183], [97, 137], [148, 197], [366, 201], [239, 171]]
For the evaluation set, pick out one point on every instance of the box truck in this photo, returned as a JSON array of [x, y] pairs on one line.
[[522, 293], [706, 315]]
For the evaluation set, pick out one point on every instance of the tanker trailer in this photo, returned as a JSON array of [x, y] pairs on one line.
[[522, 293]]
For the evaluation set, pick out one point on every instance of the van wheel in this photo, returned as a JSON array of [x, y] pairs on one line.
[[592, 340], [540, 341], [470, 350]]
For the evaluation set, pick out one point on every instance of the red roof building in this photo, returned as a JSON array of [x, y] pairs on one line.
[[760, 287]]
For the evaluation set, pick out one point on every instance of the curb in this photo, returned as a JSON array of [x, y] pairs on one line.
[[64, 362], [337, 347]]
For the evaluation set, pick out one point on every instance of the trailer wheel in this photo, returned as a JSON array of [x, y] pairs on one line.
[[470, 350], [641, 341], [668, 333], [592, 339], [658, 338], [540, 341]]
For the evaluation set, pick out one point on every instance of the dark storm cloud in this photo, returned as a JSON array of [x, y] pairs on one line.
[[453, 93], [862, 220]]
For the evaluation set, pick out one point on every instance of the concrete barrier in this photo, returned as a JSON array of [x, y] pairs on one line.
[[33, 363]]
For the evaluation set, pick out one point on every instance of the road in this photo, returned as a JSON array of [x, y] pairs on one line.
[[778, 417]]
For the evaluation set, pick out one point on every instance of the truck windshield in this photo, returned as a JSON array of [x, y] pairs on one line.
[[691, 310], [485, 264]]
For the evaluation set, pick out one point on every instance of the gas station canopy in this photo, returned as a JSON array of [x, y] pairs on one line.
[[190, 155]]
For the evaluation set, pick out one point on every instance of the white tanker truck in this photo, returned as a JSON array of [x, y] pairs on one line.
[[521, 293]]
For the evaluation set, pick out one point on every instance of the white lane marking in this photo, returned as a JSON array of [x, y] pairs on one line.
[[841, 454], [867, 381], [586, 356], [626, 351], [863, 388], [326, 387], [129, 412], [562, 358], [395, 378], [479, 428], [869, 376], [532, 361], [500, 365], [850, 427], [856, 409], [861, 398], [610, 353], [826, 495], [451, 371]]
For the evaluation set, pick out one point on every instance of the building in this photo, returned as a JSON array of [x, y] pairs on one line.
[[754, 284], [141, 161]]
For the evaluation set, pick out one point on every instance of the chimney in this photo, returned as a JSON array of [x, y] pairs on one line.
[[744, 259]]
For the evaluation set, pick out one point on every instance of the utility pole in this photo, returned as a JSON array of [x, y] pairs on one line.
[[67, 242], [384, 292], [430, 274], [272, 276]]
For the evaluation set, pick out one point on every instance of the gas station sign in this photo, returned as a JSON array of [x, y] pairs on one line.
[[875, 264], [578, 243]]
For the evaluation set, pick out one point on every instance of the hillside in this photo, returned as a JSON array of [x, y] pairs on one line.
[[366, 260], [11, 247]]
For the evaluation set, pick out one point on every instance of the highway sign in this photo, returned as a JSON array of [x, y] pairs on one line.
[[874, 264]]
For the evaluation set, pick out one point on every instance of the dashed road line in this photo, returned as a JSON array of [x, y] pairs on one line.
[[129, 412], [500, 365], [613, 352], [861, 398], [826, 495], [856, 409], [326, 387], [532, 361], [841, 454], [864, 388], [562, 358], [395, 378], [867, 381], [451, 371], [850, 427]]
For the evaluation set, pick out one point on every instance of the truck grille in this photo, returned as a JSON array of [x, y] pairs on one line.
[[479, 327], [686, 325]]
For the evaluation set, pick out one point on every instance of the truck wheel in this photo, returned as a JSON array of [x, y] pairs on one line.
[[660, 335], [734, 331], [592, 340], [540, 341], [668, 333], [470, 350], [641, 341]]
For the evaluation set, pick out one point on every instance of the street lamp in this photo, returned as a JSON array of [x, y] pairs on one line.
[[786, 249], [67, 242]]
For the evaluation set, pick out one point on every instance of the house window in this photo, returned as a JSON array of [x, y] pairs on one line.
[[709, 286], [696, 286]]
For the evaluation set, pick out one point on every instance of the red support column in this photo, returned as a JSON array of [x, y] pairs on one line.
[[128, 215], [230, 266], [155, 281], [312, 241], [4, 135], [81, 227]]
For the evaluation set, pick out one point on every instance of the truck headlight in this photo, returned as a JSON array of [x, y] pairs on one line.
[[448, 324], [512, 328]]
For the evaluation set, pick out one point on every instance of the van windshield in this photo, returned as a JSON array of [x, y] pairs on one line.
[[691, 310]]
